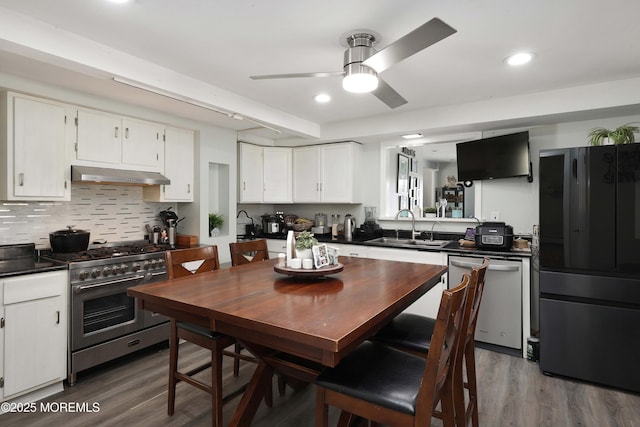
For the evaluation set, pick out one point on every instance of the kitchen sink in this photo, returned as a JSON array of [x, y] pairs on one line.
[[411, 243]]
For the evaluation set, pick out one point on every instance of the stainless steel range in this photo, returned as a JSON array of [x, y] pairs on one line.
[[105, 323]]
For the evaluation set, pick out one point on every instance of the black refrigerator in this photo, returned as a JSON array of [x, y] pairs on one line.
[[590, 264]]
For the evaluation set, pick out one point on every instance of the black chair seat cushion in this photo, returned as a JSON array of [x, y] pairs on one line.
[[378, 374], [200, 330], [409, 331]]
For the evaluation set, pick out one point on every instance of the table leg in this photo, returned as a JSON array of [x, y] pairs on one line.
[[246, 409]]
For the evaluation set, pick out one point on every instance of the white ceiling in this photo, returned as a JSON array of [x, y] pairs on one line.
[[205, 50]]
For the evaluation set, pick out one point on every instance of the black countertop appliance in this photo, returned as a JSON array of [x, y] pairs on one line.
[[590, 264], [494, 235]]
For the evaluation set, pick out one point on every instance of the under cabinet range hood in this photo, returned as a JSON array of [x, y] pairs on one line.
[[95, 175]]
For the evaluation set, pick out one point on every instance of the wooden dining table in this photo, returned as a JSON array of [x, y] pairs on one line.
[[294, 325]]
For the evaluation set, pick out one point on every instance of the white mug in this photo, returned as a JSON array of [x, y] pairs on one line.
[[307, 264], [294, 263]]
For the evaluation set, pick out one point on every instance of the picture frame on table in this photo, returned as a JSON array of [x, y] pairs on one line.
[[321, 256]]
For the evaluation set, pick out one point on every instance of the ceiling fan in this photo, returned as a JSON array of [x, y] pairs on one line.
[[362, 63]]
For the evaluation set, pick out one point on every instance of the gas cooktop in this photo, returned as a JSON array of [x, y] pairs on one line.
[[106, 252]]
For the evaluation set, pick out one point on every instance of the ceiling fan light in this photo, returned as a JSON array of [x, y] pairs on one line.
[[360, 83]]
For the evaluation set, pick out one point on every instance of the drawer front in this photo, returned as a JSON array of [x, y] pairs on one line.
[[34, 286]]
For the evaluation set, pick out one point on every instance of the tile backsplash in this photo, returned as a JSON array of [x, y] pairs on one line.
[[112, 213]]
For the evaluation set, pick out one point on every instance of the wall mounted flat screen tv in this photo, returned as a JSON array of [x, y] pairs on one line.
[[502, 156]]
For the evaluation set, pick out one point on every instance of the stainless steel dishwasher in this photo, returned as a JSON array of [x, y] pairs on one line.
[[500, 317]]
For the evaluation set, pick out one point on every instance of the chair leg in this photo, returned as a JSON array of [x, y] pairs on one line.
[[236, 362], [470, 360], [173, 366], [447, 405]]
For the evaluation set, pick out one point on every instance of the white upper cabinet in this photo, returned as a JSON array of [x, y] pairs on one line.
[[34, 133], [179, 167], [250, 169], [277, 175], [307, 174], [265, 174], [327, 173], [142, 143], [99, 137], [113, 140]]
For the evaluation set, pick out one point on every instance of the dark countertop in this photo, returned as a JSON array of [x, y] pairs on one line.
[[453, 247], [31, 265]]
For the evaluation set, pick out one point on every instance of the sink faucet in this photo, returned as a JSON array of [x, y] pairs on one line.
[[432, 227], [414, 233]]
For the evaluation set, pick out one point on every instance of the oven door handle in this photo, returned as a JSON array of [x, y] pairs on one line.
[[79, 289]]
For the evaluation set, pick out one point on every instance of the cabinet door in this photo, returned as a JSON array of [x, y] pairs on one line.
[[306, 175], [250, 185], [277, 175], [35, 331], [33, 338], [337, 173], [142, 144], [40, 170], [179, 165], [99, 137]]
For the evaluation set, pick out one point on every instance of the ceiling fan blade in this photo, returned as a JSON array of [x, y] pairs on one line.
[[296, 75], [388, 95], [410, 44]]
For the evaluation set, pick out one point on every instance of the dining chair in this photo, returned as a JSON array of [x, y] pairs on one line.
[[245, 253], [412, 333], [389, 386], [248, 251], [185, 262]]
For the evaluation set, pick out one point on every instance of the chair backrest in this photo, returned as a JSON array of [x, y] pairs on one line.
[[248, 251], [443, 348], [476, 287], [176, 258]]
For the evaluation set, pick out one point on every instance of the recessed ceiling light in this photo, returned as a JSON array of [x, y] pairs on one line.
[[519, 58], [119, 1], [412, 136], [322, 98]]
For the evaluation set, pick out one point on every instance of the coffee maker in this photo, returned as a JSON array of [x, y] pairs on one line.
[[273, 224]]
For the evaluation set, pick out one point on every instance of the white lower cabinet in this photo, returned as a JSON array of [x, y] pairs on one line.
[[428, 304], [357, 251], [34, 332], [276, 246]]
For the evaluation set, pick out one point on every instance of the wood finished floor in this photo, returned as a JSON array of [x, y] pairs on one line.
[[512, 392]]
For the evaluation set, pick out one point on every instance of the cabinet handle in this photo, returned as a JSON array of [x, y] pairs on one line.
[[188, 188], [65, 184], [244, 185], [116, 132], [58, 315], [21, 179], [126, 133]]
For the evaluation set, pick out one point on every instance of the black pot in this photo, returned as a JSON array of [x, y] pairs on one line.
[[69, 240]]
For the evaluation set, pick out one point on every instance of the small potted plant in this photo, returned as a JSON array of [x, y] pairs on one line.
[[215, 223], [304, 242], [624, 134], [430, 212]]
